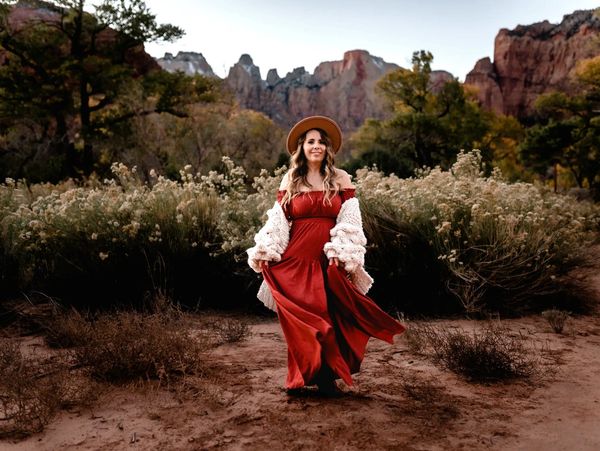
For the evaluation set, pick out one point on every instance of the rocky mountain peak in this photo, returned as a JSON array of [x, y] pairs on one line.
[[191, 63], [245, 64], [246, 60], [570, 25], [272, 77]]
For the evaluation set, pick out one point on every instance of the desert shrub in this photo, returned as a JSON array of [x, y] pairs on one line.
[[408, 275], [490, 244], [230, 330], [126, 346], [556, 318], [416, 337], [66, 329], [451, 240], [492, 353], [106, 238], [30, 391]]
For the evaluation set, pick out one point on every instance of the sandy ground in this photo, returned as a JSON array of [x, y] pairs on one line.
[[399, 401]]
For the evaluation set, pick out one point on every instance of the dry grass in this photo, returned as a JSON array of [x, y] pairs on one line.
[[490, 354], [162, 344], [159, 343], [126, 346], [66, 330], [28, 399], [229, 330], [556, 318], [33, 389]]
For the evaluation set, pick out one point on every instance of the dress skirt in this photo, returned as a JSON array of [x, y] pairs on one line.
[[325, 319]]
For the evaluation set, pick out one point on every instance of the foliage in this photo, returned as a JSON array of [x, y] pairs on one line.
[[431, 122], [569, 130], [211, 131], [492, 244], [70, 79], [122, 236], [503, 139], [453, 240]]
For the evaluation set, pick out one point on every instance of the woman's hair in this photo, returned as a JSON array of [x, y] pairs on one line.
[[298, 172]]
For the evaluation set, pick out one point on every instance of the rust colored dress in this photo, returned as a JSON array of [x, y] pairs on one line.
[[325, 319]]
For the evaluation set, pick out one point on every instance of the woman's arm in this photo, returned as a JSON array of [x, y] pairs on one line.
[[262, 264], [271, 240]]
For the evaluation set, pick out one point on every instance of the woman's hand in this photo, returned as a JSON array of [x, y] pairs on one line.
[[263, 264], [336, 262]]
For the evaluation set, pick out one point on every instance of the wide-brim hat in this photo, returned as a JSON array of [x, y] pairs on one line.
[[325, 123]]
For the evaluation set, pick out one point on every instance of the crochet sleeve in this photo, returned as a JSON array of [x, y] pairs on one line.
[[271, 240], [348, 240]]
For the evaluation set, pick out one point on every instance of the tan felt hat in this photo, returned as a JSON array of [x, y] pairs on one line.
[[326, 124]]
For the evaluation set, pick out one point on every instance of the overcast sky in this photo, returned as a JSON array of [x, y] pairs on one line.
[[285, 34]]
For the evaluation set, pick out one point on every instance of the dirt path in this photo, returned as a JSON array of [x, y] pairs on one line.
[[565, 415], [399, 401]]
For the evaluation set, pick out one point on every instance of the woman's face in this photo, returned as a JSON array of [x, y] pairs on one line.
[[314, 147]]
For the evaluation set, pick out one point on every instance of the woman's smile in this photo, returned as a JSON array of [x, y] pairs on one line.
[[314, 146]]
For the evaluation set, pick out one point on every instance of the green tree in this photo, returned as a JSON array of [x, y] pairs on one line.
[[568, 133], [70, 78], [503, 137], [429, 124]]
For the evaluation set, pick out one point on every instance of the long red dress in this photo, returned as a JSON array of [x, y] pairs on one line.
[[326, 321]]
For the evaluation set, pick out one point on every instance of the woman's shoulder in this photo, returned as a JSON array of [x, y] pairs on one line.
[[343, 179], [284, 181]]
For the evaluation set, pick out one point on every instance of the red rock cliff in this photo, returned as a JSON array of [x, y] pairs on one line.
[[534, 59], [340, 89]]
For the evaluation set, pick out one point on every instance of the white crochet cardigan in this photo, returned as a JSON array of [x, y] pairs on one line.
[[347, 244]]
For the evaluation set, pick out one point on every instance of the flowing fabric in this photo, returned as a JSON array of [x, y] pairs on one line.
[[325, 319]]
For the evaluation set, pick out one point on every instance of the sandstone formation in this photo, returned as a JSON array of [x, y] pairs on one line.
[[341, 89], [190, 63], [534, 59]]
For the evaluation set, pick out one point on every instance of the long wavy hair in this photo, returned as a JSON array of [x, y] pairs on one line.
[[298, 175]]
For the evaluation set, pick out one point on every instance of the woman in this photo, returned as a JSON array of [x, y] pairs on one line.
[[311, 255]]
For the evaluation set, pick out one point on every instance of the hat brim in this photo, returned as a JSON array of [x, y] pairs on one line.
[[326, 124]]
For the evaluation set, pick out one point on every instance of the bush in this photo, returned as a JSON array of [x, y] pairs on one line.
[[489, 244], [66, 330], [126, 346], [230, 330], [453, 240], [121, 238], [556, 318], [491, 354], [30, 392]]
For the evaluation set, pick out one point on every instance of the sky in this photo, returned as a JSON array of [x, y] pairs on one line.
[[286, 34]]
